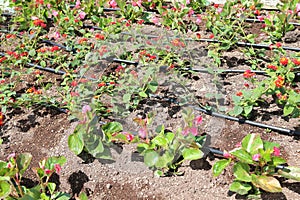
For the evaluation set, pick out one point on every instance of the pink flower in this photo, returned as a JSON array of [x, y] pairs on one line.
[[194, 131], [77, 5], [199, 19], [276, 151], [86, 108], [198, 120], [219, 10], [187, 2], [57, 168], [143, 132], [227, 155], [298, 9], [155, 20], [191, 12], [113, 3], [12, 155], [239, 144], [260, 18], [9, 165], [138, 3], [82, 15], [54, 13], [256, 157], [129, 137], [185, 132], [48, 171]]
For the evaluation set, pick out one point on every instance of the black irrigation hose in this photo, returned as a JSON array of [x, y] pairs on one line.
[[259, 21], [240, 120], [227, 71], [258, 46], [245, 121]]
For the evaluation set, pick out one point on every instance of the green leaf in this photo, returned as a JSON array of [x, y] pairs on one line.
[[241, 172], [288, 109], [75, 143], [270, 145], [5, 189], [32, 52], [51, 186], [164, 160], [290, 172], [143, 94], [219, 166], [23, 162], [240, 188], [150, 158], [242, 155], [43, 63], [83, 196], [170, 136], [192, 154], [112, 127], [93, 143], [153, 85], [248, 109], [267, 183], [160, 141], [237, 110], [126, 98], [278, 160], [252, 143]]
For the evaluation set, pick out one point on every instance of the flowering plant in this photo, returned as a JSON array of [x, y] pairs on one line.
[[256, 164], [279, 84], [167, 150], [12, 171]]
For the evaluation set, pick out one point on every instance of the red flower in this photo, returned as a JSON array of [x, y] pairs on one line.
[[239, 94], [211, 36], [119, 68], [278, 44], [2, 59], [279, 82], [257, 12], [99, 36], [276, 151], [54, 48], [272, 67], [198, 35], [57, 168], [129, 137], [248, 74], [101, 84], [74, 84], [198, 120], [246, 85], [216, 5], [284, 61], [74, 94], [177, 43], [23, 54], [140, 22], [296, 61], [1, 119]]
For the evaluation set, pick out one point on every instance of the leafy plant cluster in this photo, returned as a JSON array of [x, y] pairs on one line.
[[256, 166]]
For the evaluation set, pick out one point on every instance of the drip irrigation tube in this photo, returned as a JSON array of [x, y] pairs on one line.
[[228, 71], [259, 21], [240, 120], [258, 46]]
